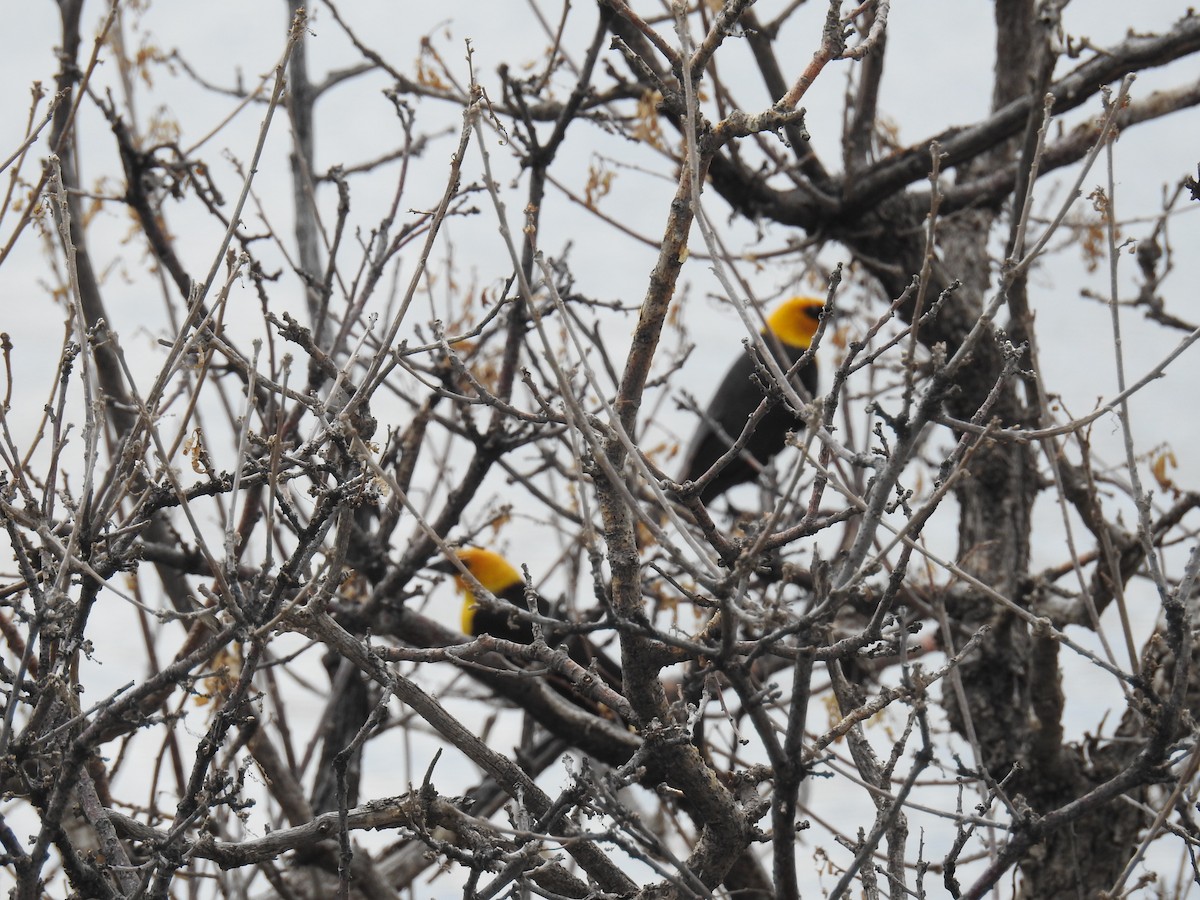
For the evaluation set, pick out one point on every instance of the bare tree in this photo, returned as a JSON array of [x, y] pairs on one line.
[[847, 677]]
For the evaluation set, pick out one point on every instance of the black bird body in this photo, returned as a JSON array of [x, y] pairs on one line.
[[739, 395]]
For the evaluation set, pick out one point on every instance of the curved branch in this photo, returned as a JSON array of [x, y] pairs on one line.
[[1135, 54]]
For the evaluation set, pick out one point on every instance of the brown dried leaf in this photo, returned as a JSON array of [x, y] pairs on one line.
[[1159, 466]]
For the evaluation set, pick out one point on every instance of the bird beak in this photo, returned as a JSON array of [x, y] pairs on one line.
[[445, 566]]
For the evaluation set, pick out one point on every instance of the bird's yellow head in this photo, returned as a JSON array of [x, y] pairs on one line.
[[491, 570], [795, 320]]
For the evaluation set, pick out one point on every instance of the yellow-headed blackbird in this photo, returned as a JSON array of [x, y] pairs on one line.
[[793, 324], [495, 573]]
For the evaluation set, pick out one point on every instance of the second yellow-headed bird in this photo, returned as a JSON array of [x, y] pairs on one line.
[[496, 574], [793, 323], [504, 582]]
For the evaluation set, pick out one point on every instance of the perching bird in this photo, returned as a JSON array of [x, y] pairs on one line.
[[793, 323], [495, 573], [504, 582]]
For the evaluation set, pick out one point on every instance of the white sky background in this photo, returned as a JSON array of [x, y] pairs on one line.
[[938, 74]]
